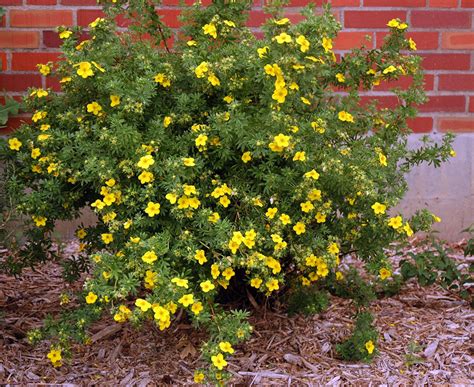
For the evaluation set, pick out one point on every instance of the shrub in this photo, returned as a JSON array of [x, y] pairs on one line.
[[226, 163]]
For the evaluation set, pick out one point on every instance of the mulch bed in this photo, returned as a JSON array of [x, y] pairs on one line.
[[425, 338]]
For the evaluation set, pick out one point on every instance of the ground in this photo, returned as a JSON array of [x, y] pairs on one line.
[[425, 338]]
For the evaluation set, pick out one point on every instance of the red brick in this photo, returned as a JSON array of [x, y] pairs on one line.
[[14, 123], [78, 2], [383, 101], [3, 60], [40, 18], [51, 39], [86, 16], [349, 40], [53, 83], [41, 2], [443, 3], [257, 18], [188, 2], [334, 3], [11, 2], [471, 104], [19, 82], [26, 61], [440, 19], [170, 17], [19, 39], [423, 40], [456, 124], [394, 3], [467, 3], [457, 40], [456, 82], [446, 61], [371, 19], [404, 83], [444, 103], [420, 124]]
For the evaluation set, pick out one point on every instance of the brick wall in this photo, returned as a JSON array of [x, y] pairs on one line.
[[442, 29]]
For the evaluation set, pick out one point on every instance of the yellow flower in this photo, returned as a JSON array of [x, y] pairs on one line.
[[314, 194], [149, 257], [45, 127], [91, 298], [339, 276], [272, 285], [369, 346], [181, 282], [200, 256], [152, 209], [201, 140], [340, 77], [246, 157], [167, 121], [107, 238], [379, 208], [408, 229], [40, 221], [94, 108], [282, 22], [213, 80], [189, 162], [207, 286], [144, 305], [395, 222], [327, 44], [436, 219], [280, 94], [382, 159], [55, 357], [214, 217], [283, 38], [412, 44], [271, 212], [299, 156], [81, 233], [198, 376], [215, 271], [39, 115], [145, 162], [256, 282], [262, 51], [282, 140], [333, 248], [109, 199], [114, 100], [303, 42], [44, 69], [285, 219], [145, 177], [299, 228], [228, 273], [65, 34], [197, 308], [320, 218], [14, 144], [163, 80], [218, 361], [98, 20], [186, 300], [312, 175], [210, 29], [85, 69], [384, 273], [201, 70], [224, 201], [225, 346], [345, 116], [307, 206], [390, 69]]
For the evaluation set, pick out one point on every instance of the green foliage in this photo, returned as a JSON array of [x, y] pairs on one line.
[[361, 345], [226, 155], [10, 107], [433, 265], [307, 301], [353, 286]]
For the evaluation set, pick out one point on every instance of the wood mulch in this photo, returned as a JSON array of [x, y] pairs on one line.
[[425, 338]]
